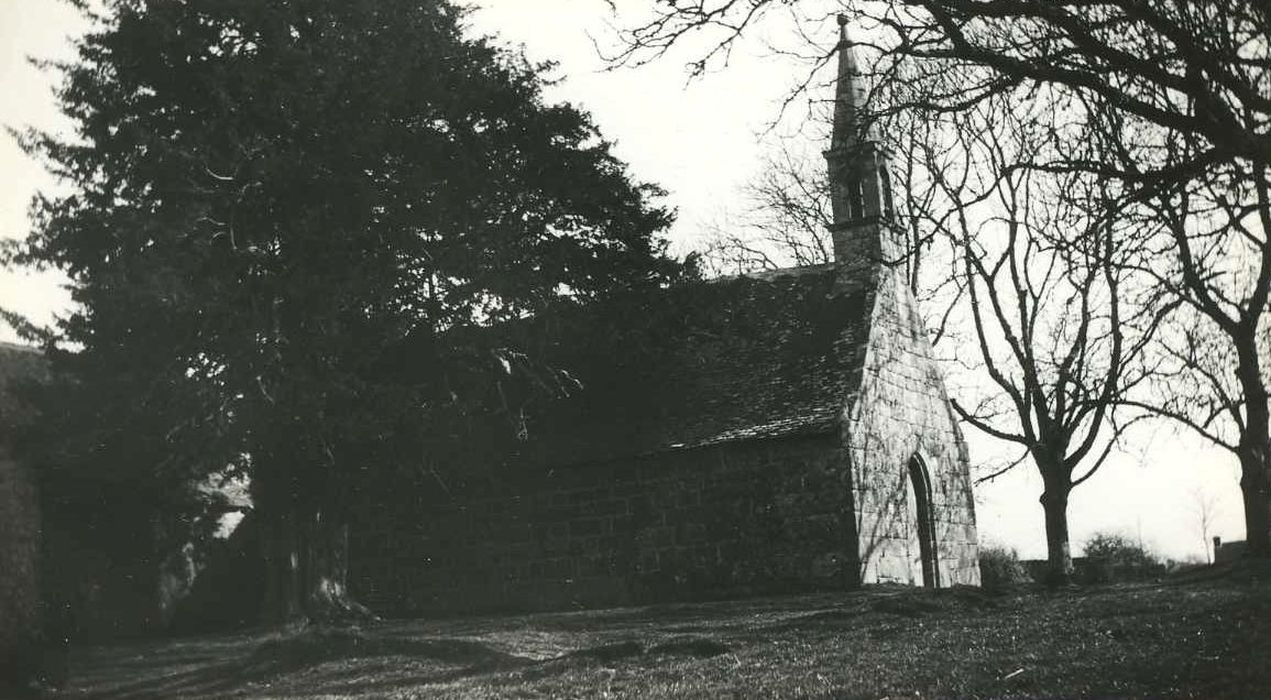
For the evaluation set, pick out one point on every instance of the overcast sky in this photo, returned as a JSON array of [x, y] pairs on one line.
[[701, 141]]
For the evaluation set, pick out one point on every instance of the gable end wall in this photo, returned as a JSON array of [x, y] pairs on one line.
[[900, 410]]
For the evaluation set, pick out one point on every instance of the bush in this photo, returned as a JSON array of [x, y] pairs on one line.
[[1000, 568], [1113, 557]]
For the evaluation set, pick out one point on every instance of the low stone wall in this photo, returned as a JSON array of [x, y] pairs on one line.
[[1086, 570], [1229, 551], [739, 519]]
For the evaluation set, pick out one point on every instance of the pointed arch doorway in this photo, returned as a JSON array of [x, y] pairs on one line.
[[920, 485]]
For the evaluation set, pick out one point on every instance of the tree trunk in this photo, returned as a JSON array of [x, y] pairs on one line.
[[306, 569], [1255, 487], [1254, 451], [1054, 502], [1255, 494]]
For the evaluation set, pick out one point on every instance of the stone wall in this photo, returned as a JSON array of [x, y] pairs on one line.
[[19, 563], [901, 411], [748, 518]]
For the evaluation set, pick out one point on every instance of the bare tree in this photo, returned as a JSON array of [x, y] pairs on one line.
[[786, 218], [1038, 266], [785, 221], [1205, 505], [1216, 355], [1040, 258], [1176, 93]]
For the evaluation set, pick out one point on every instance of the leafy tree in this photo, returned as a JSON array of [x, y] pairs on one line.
[[284, 222]]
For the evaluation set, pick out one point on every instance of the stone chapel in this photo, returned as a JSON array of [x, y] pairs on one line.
[[792, 433]]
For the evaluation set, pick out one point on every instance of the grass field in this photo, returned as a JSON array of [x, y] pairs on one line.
[[1205, 636]]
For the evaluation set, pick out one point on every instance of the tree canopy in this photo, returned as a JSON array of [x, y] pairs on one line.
[[281, 219]]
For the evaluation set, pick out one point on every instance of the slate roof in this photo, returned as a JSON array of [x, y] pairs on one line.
[[742, 358]]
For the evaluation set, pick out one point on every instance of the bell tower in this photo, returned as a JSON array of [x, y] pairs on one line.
[[860, 192]]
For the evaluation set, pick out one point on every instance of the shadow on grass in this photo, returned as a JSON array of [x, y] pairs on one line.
[[891, 603], [314, 647], [688, 646], [276, 658], [348, 661]]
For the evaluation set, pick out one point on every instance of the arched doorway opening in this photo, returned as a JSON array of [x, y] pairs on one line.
[[920, 481]]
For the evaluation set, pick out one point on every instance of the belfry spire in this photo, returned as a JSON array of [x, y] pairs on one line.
[[849, 92], [860, 193]]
